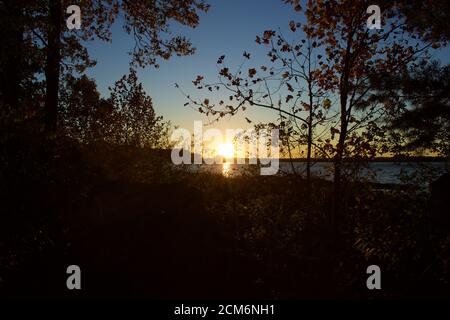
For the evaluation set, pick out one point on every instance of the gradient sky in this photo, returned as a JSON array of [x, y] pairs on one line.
[[229, 28]]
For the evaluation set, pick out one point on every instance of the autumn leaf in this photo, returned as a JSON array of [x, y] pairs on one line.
[[292, 26], [436, 45], [197, 80], [327, 103], [246, 55], [220, 60], [268, 34], [224, 72], [251, 72], [333, 132]]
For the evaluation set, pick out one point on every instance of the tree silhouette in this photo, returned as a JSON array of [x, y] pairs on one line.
[[126, 117], [42, 25], [355, 54], [289, 84], [422, 112]]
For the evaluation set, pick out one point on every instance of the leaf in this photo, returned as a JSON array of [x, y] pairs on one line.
[[268, 34], [327, 103], [436, 45], [333, 132], [197, 80], [224, 72], [292, 26]]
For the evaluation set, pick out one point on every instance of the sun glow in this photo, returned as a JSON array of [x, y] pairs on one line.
[[225, 150]]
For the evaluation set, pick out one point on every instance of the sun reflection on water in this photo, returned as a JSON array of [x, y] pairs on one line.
[[226, 169]]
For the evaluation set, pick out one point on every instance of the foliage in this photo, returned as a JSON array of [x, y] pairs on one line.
[[422, 112]]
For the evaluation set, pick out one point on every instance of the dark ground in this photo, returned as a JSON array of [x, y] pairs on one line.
[[137, 229]]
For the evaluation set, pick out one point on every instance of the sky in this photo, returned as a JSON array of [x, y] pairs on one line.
[[230, 28]]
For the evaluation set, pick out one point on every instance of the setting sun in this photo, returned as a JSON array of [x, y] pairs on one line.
[[225, 150]]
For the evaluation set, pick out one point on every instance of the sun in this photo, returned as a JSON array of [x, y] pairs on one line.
[[225, 150]]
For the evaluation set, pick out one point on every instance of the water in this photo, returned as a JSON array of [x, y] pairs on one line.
[[379, 172]]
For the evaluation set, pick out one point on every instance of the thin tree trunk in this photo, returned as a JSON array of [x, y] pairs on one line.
[[308, 158], [338, 162], [14, 49], [52, 68], [335, 214], [310, 123], [308, 152], [337, 183]]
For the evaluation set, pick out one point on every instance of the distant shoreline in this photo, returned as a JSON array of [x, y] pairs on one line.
[[380, 159], [377, 159]]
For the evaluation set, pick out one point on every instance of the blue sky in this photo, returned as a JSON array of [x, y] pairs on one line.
[[229, 28]]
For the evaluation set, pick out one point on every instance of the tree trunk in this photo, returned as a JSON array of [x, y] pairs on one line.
[[12, 52], [308, 152], [310, 124], [338, 161], [337, 183], [52, 68], [308, 158], [335, 214]]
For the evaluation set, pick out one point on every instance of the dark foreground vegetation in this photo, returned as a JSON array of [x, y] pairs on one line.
[[139, 229]]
